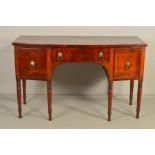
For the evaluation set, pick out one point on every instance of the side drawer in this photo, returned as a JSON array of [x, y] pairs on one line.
[[31, 62], [127, 63]]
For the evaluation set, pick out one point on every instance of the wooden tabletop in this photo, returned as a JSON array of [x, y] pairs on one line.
[[79, 40]]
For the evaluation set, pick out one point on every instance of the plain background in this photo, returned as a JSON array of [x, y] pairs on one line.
[[77, 12], [75, 78]]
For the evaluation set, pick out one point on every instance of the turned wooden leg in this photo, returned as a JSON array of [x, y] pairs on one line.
[[110, 86], [139, 95], [131, 90], [19, 97], [49, 96], [24, 91]]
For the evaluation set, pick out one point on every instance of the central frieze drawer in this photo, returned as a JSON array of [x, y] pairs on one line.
[[77, 54]]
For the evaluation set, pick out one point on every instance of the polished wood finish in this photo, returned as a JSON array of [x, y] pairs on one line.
[[80, 41], [36, 57], [123, 56], [80, 54], [25, 57]]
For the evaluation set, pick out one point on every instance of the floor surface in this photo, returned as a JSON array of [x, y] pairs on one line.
[[88, 112]]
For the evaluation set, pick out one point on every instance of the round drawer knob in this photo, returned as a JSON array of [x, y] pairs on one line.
[[127, 65], [101, 54], [32, 64], [59, 56]]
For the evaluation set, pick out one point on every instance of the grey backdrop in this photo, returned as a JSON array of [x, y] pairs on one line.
[[73, 78]]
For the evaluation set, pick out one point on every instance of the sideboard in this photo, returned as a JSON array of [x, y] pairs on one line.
[[122, 58]]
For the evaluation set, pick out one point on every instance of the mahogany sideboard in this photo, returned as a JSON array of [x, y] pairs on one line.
[[122, 58]]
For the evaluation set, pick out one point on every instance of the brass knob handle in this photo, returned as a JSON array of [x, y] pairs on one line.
[[59, 56], [32, 64], [101, 54], [127, 65]]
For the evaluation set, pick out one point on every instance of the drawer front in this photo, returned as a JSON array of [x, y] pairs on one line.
[[32, 63], [79, 55], [127, 63]]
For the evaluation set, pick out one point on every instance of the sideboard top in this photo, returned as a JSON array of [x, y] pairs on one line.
[[79, 41]]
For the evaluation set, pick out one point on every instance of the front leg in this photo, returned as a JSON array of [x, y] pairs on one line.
[[110, 88], [24, 90], [131, 91], [139, 95], [49, 96], [19, 97]]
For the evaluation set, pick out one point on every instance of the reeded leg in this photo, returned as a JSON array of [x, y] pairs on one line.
[[19, 97], [24, 91], [49, 95], [110, 85], [131, 91], [139, 95]]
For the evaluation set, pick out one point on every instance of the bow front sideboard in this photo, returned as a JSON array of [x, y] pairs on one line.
[[122, 58]]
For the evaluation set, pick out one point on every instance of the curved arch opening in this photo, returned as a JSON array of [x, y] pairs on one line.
[[79, 79]]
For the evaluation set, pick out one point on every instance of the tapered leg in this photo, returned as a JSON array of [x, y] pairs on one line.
[[19, 97], [110, 86], [131, 91], [49, 96], [24, 91], [139, 95]]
